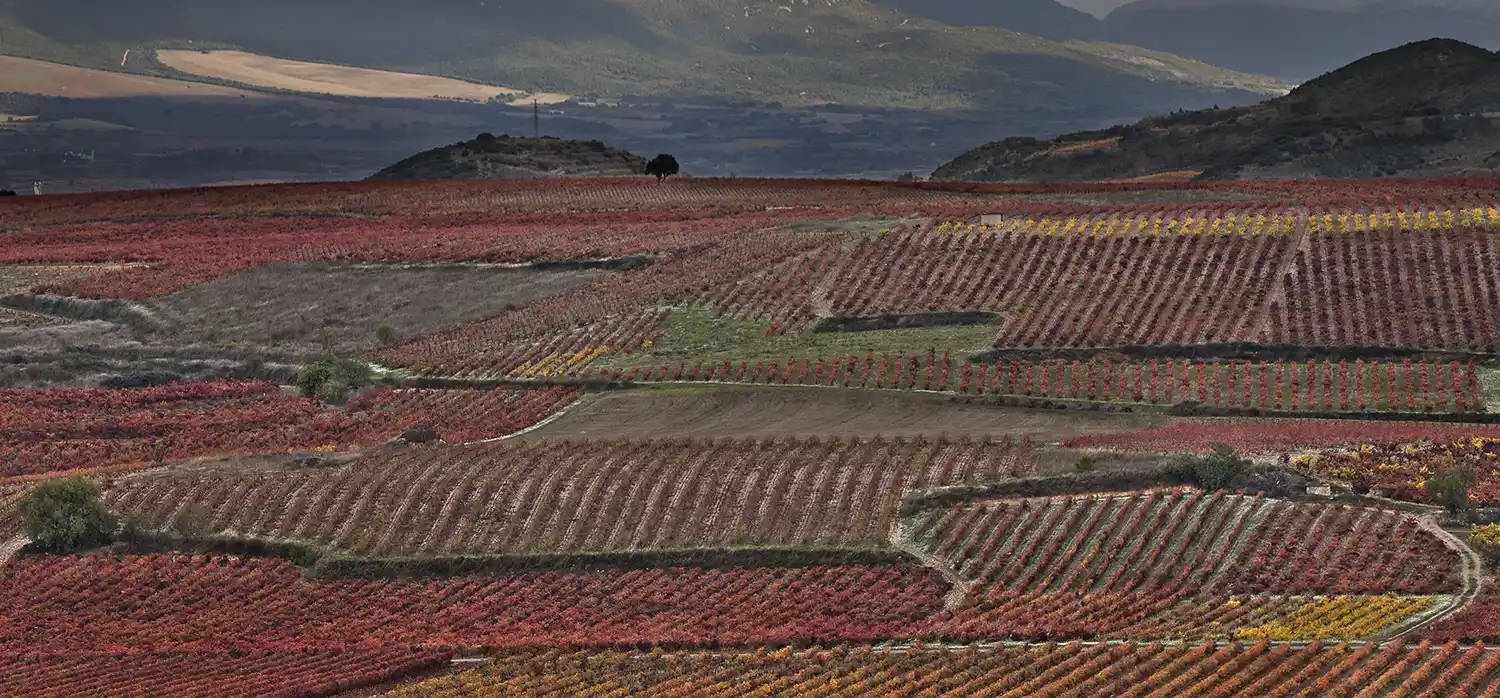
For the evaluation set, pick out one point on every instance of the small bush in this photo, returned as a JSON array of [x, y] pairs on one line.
[[1485, 539], [314, 375], [67, 515], [1450, 490], [192, 521], [1086, 464], [333, 392], [332, 380], [1215, 471], [134, 526], [386, 335]]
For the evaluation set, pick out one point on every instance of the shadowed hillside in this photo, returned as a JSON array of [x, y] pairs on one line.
[[1423, 109], [846, 51]]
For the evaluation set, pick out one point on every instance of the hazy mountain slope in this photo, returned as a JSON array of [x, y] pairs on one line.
[[846, 51], [1045, 18], [1423, 109], [503, 157], [1301, 39]]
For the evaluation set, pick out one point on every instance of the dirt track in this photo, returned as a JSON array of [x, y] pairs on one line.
[[795, 411]]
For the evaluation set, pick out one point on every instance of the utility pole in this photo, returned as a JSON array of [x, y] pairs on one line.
[[536, 119]]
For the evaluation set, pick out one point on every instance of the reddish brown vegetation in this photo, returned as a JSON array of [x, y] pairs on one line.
[[43, 432]]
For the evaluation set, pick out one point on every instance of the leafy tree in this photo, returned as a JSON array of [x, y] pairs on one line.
[[1450, 489], [386, 335], [662, 166], [66, 515]]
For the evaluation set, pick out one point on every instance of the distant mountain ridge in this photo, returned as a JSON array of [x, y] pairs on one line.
[[1310, 37], [1427, 108], [504, 157], [832, 51]]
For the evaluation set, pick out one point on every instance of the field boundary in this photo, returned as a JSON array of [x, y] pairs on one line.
[[1182, 409], [330, 563]]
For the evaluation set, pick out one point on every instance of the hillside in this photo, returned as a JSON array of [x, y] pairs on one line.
[[1423, 109], [1045, 18], [1311, 37], [504, 157], [844, 51]]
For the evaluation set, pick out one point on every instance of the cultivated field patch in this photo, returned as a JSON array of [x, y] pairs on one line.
[[44, 433], [1064, 669], [322, 78], [534, 497], [57, 80], [302, 310], [766, 412]]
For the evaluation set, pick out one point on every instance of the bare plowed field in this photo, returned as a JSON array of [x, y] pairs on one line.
[[792, 411]]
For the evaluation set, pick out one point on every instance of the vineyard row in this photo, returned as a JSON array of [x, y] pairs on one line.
[[1130, 670], [1357, 386], [43, 432], [542, 497]]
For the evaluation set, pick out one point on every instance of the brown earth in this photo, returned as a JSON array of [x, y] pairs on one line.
[[775, 411]]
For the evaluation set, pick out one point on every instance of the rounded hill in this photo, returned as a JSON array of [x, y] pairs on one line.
[[506, 157]]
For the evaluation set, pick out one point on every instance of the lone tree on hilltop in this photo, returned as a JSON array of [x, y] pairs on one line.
[[662, 166], [66, 515]]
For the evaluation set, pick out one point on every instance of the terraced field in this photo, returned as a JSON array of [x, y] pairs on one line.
[[752, 437]]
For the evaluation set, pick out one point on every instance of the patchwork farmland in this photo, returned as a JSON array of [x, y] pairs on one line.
[[753, 437]]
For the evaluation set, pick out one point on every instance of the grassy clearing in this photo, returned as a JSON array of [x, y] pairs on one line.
[[699, 334], [1489, 388]]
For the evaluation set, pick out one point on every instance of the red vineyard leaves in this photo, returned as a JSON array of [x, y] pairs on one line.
[[175, 603], [1276, 435], [521, 196], [67, 430], [1400, 470], [1180, 544], [1069, 670], [1479, 622], [1312, 386], [256, 674], [182, 253]]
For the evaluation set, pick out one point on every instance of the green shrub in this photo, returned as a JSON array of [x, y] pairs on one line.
[[192, 521], [314, 375], [67, 515], [386, 335], [333, 392], [1215, 471], [1086, 464], [1450, 490], [332, 380]]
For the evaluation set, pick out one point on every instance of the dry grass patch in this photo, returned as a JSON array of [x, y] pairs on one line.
[[323, 78], [56, 80]]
